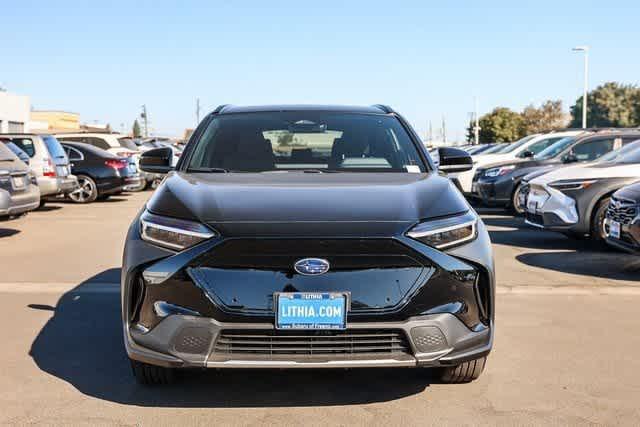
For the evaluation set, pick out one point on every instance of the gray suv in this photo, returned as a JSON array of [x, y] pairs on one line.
[[48, 162]]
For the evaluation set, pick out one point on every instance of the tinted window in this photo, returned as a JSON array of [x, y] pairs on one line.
[[6, 153], [555, 149], [54, 147], [17, 151], [128, 143], [270, 141], [72, 153], [98, 142], [519, 143], [26, 145], [594, 148], [537, 147]]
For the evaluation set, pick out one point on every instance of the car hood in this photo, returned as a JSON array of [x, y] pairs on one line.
[[307, 203], [630, 192], [485, 159], [591, 171]]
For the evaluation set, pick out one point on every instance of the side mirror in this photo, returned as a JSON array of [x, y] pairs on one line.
[[157, 160], [528, 154], [454, 160], [569, 158]]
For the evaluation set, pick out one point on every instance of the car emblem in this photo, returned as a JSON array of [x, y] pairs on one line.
[[311, 266]]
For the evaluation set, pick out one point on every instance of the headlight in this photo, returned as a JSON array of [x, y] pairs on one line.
[[502, 170], [446, 232], [579, 184], [172, 233]]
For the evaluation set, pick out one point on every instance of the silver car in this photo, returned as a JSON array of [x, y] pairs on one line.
[[19, 192], [48, 162]]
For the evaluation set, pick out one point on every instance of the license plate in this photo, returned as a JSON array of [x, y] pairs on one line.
[[310, 310], [614, 229], [19, 182]]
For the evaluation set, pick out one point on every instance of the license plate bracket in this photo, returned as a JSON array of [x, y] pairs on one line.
[[311, 310], [614, 229]]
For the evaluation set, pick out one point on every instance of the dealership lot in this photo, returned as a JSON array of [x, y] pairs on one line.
[[564, 351]]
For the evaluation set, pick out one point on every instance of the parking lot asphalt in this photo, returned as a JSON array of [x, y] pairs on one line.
[[565, 346]]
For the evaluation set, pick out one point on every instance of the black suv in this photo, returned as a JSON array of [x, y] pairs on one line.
[[306, 237]]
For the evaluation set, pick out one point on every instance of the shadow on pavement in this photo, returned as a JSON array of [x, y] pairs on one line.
[[8, 232], [49, 207], [82, 344], [563, 254], [607, 265]]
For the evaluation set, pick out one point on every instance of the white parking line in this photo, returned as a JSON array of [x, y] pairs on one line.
[[114, 288]]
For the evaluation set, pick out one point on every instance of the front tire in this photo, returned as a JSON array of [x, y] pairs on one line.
[[597, 223], [463, 373], [146, 374], [515, 207]]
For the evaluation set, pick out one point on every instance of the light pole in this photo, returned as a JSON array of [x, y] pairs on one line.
[[584, 49]]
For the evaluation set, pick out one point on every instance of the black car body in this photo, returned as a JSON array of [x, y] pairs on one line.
[[624, 209], [100, 173], [498, 184], [270, 204]]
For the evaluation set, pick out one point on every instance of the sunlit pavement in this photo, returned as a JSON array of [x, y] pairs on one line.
[[565, 349]]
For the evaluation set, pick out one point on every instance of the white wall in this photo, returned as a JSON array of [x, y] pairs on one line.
[[14, 108]]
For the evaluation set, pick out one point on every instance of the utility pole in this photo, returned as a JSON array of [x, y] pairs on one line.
[[144, 117], [476, 128], [584, 49], [444, 130], [197, 111], [430, 131]]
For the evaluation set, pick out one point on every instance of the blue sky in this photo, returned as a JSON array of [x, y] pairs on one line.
[[426, 59]]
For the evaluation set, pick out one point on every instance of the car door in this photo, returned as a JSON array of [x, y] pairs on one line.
[[76, 159]]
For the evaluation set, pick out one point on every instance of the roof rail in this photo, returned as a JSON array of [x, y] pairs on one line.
[[384, 108], [220, 107]]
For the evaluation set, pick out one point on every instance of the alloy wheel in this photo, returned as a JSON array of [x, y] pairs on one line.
[[86, 192]]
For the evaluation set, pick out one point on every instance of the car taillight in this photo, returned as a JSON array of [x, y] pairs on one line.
[[49, 169], [116, 164]]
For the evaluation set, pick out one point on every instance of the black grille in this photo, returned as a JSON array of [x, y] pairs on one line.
[[622, 211], [301, 343], [534, 218]]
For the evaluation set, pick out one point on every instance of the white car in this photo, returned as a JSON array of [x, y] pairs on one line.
[[523, 148], [574, 199]]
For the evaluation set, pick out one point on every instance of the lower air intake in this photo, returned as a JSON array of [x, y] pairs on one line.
[[311, 343], [192, 341], [428, 339]]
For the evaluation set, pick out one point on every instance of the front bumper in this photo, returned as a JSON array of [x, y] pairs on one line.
[[495, 192], [189, 341], [551, 209], [629, 240]]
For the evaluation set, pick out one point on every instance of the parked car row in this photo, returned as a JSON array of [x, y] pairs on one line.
[[576, 182], [35, 168]]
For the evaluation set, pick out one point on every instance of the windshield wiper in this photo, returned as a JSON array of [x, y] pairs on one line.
[[208, 170]]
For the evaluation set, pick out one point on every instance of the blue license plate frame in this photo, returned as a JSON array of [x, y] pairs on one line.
[[311, 310]]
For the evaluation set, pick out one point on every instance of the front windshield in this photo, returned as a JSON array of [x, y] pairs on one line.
[[555, 149], [515, 145], [305, 140]]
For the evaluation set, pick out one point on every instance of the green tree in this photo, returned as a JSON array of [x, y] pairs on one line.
[[500, 125], [136, 129], [470, 134], [609, 105], [547, 117]]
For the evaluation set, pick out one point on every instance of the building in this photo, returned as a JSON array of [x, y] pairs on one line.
[[14, 113], [55, 121]]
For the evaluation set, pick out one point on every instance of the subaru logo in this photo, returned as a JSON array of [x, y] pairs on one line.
[[311, 266]]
